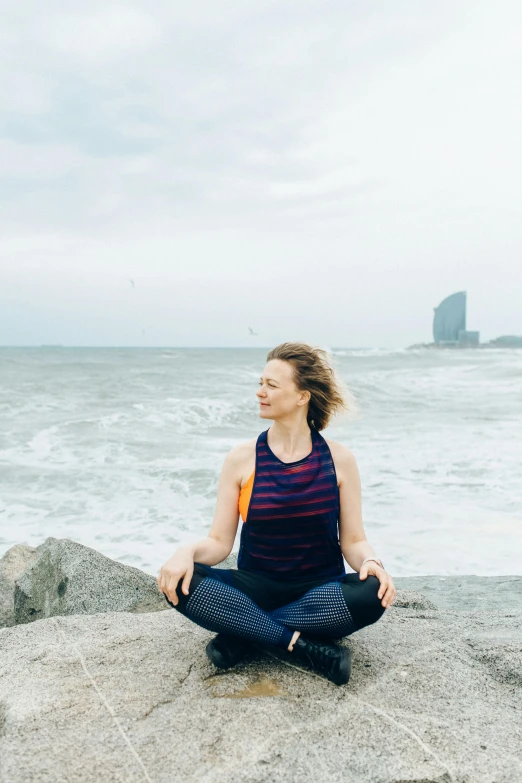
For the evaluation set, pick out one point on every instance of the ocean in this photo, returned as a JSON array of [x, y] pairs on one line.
[[120, 449]]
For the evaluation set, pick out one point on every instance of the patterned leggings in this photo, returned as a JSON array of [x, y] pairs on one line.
[[268, 611]]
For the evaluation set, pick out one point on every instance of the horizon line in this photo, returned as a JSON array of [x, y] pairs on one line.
[[192, 347]]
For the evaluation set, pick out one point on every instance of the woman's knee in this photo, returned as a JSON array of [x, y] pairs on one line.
[[197, 577], [362, 600]]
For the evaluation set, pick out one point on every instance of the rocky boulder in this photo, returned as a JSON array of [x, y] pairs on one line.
[[62, 577], [435, 697]]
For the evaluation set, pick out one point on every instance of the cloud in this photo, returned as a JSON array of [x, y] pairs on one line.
[[99, 36], [45, 161], [241, 141]]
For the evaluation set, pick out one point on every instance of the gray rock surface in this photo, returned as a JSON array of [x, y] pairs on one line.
[[64, 577], [435, 696], [126, 693], [12, 565], [467, 592]]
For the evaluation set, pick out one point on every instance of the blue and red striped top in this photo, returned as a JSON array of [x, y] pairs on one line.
[[291, 527]]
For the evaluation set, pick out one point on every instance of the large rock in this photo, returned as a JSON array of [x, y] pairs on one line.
[[64, 577], [435, 697]]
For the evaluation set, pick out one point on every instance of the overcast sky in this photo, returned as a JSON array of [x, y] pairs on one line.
[[317, 170]]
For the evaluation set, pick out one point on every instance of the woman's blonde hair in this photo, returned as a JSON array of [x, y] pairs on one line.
[[313, 372]]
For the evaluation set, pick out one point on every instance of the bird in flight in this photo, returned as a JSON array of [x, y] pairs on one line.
[[251, 330], [131, 281]]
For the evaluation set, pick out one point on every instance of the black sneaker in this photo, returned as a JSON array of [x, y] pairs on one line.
[[332, 661], [225, 651]]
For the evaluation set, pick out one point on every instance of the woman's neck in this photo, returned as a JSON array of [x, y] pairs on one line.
[[290, 443]]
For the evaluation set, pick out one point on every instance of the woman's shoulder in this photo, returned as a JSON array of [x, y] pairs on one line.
[[243, 455], [342, 456], [242, 460], [242, 451]]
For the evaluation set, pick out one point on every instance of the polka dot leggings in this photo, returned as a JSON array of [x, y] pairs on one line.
[[329, 610]]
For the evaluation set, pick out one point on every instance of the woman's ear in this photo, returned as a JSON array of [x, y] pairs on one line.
[[305, 397]]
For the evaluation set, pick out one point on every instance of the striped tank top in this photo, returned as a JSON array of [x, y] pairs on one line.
[[290, 512]]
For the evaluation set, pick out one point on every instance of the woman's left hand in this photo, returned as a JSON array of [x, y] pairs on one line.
[[387, 589]]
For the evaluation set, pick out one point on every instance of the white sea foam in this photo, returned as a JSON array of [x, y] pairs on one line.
[[122, 450]]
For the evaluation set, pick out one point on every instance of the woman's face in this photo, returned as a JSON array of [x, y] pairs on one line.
[[277, 393]]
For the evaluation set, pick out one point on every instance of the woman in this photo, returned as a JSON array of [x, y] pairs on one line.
[[299, 496]]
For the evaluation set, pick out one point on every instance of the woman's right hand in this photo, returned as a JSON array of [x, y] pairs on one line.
[[181, 564]]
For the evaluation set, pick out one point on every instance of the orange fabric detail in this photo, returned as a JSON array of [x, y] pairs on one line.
[[244, 497]]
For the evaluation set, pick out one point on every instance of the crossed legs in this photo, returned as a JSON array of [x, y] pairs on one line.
[[329, 610]]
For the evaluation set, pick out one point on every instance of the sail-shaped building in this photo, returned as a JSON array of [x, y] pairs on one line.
[[450, 318], [449, 328]]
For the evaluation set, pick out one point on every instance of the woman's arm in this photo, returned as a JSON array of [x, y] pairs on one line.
[[352, 537]]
